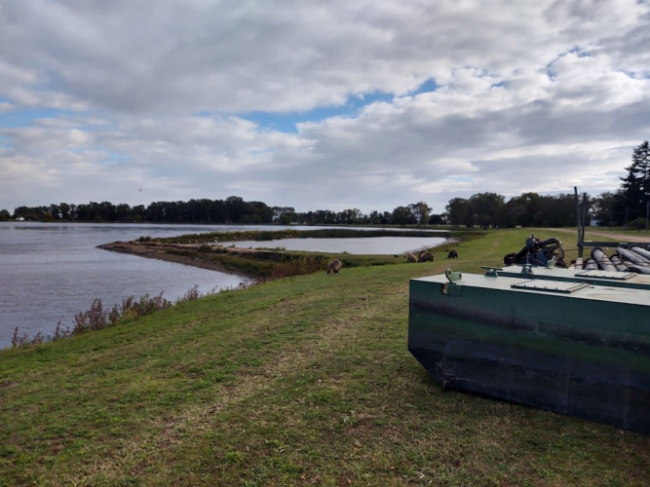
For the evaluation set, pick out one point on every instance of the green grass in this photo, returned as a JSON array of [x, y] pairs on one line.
[[301, 381]]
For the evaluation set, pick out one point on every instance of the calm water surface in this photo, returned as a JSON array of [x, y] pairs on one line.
[[358, 246], [50, 272]]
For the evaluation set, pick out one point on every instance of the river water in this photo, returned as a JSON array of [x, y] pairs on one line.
[[50, 272]]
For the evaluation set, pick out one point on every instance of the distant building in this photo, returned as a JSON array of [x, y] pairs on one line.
[[595, 223], [20, 219]]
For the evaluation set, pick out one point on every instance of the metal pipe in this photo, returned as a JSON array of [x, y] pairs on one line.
[[627, 254], [643, 265], [642, 252], [618, 263], [591, 265], [603, 261], [631, 267]]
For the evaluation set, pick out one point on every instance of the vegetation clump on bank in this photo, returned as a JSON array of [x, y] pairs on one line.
[[97, 317]]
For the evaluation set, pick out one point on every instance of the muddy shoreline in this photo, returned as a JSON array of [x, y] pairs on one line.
[[161, 252]]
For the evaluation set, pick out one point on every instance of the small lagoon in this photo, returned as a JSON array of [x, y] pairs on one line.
[[355, 246]]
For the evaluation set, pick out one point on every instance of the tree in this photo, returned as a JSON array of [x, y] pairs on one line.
[[4, 215], [635, 188], [123, 212], [375, 217], [421, 212], [236, 208], [350, 216], [487, 208], [558, 211], [639, 224], [522, 210], [65, 211], [458, 212], [605, 206], [283, 214], [403, 216], [436, 220]]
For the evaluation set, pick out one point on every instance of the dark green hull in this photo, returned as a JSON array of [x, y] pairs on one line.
[[574, 353]]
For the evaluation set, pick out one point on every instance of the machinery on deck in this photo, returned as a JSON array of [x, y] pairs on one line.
[[538, 252]]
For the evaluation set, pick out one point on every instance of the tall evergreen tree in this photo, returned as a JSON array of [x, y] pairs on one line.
[[635, 188]]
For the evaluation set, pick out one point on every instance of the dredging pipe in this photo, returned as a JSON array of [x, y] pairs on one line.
[[640, 263], [618, 263], [642, 252], [603, 261]]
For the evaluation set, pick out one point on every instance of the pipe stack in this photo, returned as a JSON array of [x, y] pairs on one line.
[[635, 259]]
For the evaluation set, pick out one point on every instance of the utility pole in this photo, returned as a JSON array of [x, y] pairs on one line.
[[584, 215], [578, 221]]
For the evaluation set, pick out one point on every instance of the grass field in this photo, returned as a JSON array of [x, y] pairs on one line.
[[301, 381]]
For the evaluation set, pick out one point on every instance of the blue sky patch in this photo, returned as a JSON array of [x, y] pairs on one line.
[[427, 87], [25, 118], [287, 122]]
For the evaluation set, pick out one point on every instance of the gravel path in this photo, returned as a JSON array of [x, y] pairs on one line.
[[622, 237]]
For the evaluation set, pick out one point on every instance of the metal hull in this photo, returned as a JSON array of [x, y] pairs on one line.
[[583, 356]]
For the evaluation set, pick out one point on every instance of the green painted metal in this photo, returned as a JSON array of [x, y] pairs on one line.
[[569, 347]]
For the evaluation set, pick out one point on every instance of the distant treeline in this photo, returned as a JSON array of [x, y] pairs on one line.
[[629, 206], [483, 209], [231, 210]]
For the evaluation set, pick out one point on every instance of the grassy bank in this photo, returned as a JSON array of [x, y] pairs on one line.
[[263, 263], [301, 381]]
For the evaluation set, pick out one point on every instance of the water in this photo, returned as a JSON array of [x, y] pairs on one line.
[[358, 246], [50, 272]]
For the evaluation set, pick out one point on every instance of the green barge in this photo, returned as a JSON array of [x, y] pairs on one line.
[[572, 347]]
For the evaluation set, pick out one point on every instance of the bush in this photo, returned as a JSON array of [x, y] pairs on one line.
[[638, 224], [97, 317]]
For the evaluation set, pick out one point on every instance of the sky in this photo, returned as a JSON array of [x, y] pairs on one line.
[[318, 105]]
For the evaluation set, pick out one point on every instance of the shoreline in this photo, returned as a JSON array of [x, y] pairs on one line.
[[160, 252], [257, 264]]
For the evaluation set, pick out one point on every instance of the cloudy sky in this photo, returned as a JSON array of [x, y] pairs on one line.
[[316, 104]]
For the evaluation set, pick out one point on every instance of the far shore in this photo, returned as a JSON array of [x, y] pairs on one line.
[[201, 251], [160, 252]]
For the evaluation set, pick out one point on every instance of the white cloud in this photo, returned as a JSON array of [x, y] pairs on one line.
[[530, 97]]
